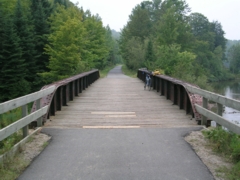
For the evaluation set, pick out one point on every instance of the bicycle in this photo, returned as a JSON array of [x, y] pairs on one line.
[[148, 83]]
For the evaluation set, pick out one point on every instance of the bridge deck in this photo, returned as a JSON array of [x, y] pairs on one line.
[[119, 101], [104, 154]]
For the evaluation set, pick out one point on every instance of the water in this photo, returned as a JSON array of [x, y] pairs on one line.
[[229, 89]]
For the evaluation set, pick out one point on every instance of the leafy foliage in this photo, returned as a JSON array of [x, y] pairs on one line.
[[228, 144], [173, 40], [46, 40], [234, 58], [65, 43]]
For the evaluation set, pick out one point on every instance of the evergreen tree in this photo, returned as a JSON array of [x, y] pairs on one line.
[[1, 34], [27, 42], [12, 78], [65, 3], [41, 29]]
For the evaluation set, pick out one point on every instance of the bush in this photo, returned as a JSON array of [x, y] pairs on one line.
[[225, 142], [228, 144]]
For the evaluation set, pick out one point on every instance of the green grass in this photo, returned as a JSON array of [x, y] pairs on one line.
[[45, 144], [104, 72], [11, 169], [7, 119], [228, 145], [129, 72]]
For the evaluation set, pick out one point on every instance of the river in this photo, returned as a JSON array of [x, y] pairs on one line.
[[229, 89]]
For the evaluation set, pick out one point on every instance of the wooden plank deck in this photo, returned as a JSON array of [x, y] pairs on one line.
[[119, 101]]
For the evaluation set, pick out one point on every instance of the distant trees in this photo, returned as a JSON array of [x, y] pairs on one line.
[[43, 41], [171, 39], [234, 58]]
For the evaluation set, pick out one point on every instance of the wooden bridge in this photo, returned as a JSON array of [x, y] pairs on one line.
[[119, 101], [113, 128]]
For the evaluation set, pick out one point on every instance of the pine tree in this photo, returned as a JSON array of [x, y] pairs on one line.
[[1, 35], [27, 43], [41, 29], [12, 78]]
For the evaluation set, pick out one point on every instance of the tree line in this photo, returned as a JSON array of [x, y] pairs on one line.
[[47, 40], [233, 56], [166, 35]]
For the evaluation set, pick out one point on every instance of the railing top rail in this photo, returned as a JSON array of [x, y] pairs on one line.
[[219, 119], [174, 80], [15, 103], [10, 129], [70, 79], [229, 102]]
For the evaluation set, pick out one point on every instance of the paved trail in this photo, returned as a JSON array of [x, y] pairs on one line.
[[116, 130]]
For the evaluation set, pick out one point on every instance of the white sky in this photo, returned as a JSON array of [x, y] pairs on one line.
[[115, 12]]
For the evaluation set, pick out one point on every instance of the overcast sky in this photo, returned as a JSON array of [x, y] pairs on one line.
[[115, 13]]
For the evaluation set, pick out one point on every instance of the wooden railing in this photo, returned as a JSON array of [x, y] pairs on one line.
[[26, 119], [221, 101], [65, 91], [46, 102], [193, 99], [175, 91]]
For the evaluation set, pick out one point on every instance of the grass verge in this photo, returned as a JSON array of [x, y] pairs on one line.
[[5, 120], [104, 72], [13, 168], [129, 72], [226, 144]]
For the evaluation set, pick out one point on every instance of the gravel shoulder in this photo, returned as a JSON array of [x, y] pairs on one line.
[[212, 160], [35, 146]]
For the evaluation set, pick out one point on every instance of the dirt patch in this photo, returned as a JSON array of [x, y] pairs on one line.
[[212, 160], [35, 146]]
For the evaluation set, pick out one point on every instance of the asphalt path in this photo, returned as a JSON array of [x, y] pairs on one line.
[[118, 154]]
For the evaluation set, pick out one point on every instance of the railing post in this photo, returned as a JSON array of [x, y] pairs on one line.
[[25, 113], [162, 87], [59, 98], [205, 105], [181, 97], [175, 94], [39, 120], [64, 102], [53, 107], [76, 87], [71, 91], [158, 84], [219, 112], [67, 93], [87, 82], [81, 85], [84, 82]]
